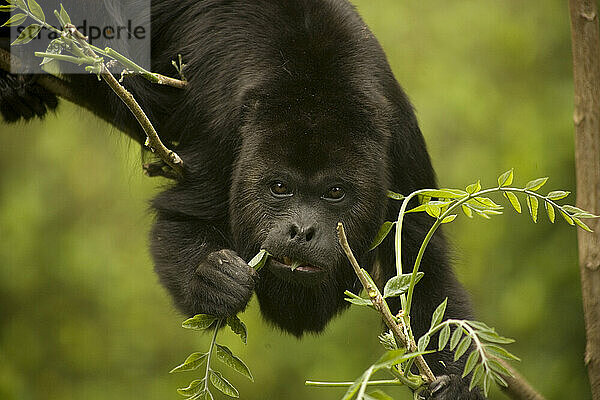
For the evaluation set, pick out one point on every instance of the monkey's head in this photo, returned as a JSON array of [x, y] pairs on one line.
[[306, 163]]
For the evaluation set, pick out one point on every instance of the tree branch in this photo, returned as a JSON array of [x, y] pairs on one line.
[[585, 38], [381, 306], [153, 141]]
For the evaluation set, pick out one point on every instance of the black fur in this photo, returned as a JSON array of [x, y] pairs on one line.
[[297, 92]]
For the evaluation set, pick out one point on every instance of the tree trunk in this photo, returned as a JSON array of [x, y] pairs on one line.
[[586, 71]]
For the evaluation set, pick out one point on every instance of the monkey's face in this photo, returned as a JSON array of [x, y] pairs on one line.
[[290, 189]]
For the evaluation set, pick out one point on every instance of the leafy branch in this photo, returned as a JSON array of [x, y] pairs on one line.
[[485, 361], [199, 389], [66, 42], [472, 201], [81, 52]]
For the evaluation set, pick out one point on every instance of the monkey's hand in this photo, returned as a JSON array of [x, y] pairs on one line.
[[451, 387], [21, 97], [223, 286]]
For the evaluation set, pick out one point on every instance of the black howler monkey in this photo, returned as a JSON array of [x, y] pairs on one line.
[[292, 121]]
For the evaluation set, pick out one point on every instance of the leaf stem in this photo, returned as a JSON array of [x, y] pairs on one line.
[[210, 352], [153, 140], [452, 206], [382, 307], [387, 382]]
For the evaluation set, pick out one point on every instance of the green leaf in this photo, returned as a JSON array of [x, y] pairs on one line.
[[480, 326], [499, 368], [578, 212], [486, 383], [462, 347], [433, 210], [493, 337], [383, 232], [21, 4], [199, 322], [471, 362], [474, 188], [532, 204], [398, 285], [582, 225], [445, 193], [567, 218], [64, 16], [352, 295], [238, 327], [468, 212], [202, 395], [194, 361], [223, 384], [477, 374], [449, 219], [394, 195], [557, 195], [228, 358], [193, 388], [506, 179], [391, 358], [443, 337], [15, 20], [55, 47], [420, 208], [438, 314], [487, 203], [51, 66], [36, 10], [27, 35], [498, 379], [514, 201], [8, 8], [536, 184], [423, 342], [360, 302], [482, 214], [550, 211], [500, 352], [259, 260], [379, 395], [456, 335]]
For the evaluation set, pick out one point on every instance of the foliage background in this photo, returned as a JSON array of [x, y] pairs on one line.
[[81, 312]]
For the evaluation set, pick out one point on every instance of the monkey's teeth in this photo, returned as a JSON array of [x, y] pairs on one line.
[[295, 265]]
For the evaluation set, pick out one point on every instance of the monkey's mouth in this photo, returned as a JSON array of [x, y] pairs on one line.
[[299, 266], [294, 270]]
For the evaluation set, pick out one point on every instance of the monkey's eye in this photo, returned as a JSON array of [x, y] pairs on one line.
[[280, 189], [335, 194]]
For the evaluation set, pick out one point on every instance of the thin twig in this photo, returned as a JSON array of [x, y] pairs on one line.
[[151, 76], [153, 141], [381, 306]]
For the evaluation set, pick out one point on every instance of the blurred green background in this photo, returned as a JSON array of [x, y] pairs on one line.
[[82, 315]]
